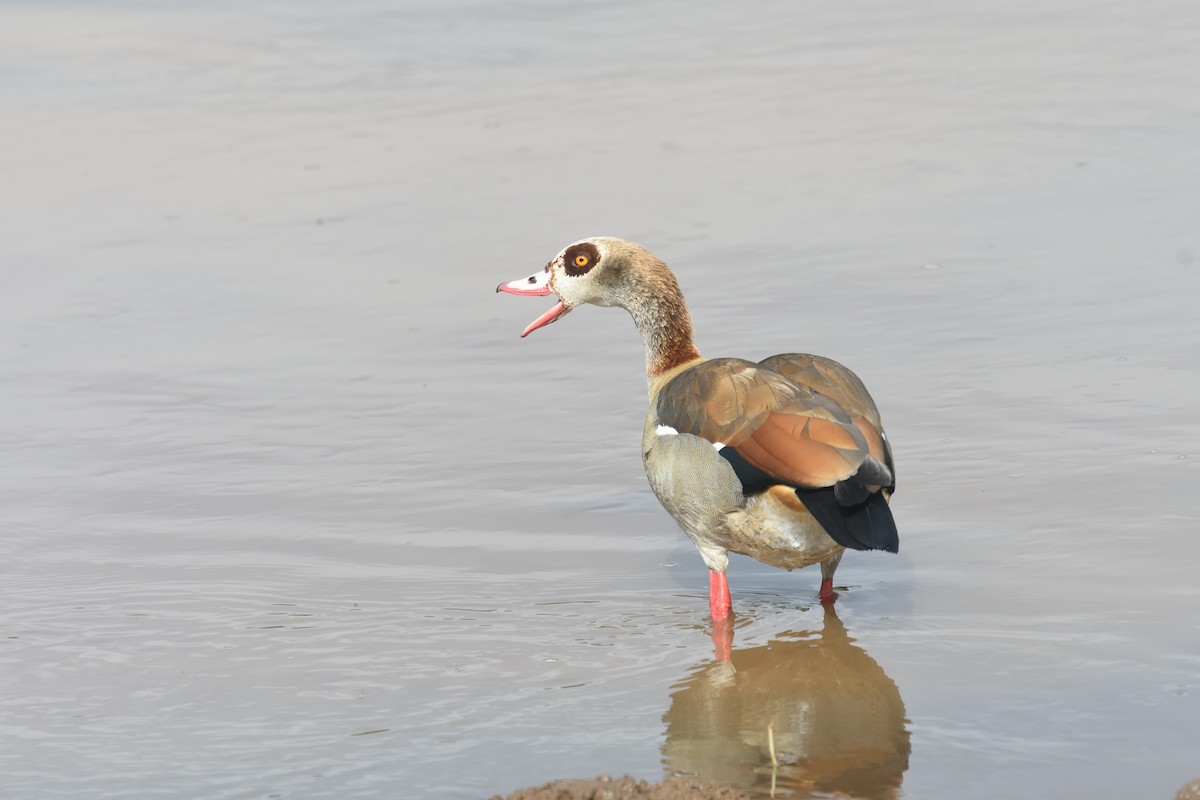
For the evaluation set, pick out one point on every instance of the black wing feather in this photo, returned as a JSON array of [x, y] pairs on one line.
[[753, 479], [866, 526], [863, 523]]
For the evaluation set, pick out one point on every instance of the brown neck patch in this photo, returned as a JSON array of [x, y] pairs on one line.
[[675, 347], [665, 323]]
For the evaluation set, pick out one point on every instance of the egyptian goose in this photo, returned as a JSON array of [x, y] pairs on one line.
[[785, 461]]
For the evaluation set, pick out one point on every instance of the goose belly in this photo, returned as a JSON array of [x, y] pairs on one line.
[[775, 528]]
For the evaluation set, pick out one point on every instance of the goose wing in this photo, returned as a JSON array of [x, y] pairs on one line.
[[791, 433]]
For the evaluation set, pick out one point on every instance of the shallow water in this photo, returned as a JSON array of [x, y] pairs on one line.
[[289, 510]]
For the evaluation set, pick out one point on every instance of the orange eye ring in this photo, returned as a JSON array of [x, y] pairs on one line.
[[581, 261]]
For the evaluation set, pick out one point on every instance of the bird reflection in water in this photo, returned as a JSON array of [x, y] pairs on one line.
[[837, 719]]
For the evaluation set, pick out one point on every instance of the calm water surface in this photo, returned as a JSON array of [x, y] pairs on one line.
[[290, 511]]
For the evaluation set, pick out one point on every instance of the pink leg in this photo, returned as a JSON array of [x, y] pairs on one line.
[[722, 639], [827, 595], [719, 602]]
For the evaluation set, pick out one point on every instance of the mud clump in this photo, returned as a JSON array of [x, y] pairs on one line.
[[624, 788]]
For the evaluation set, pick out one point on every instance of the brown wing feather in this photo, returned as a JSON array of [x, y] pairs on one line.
[[831, 379], [784, 446], [788, 431], [839, 383], [875, 443]]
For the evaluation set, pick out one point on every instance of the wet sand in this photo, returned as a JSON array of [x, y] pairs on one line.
[[289, 509], [625, 788]]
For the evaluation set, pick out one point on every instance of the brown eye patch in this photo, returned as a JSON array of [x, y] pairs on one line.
[[579, 258]]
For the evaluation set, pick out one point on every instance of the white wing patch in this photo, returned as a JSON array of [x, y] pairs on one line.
[[667, 430]]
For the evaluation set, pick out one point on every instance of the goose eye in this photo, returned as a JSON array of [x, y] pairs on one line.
[[580, 259]]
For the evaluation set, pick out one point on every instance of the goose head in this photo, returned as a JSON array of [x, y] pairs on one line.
[[601, 270]]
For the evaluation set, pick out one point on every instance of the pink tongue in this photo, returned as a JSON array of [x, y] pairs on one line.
[[544, 319]]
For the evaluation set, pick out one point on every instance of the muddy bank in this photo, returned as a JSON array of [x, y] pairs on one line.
[[625, 788]]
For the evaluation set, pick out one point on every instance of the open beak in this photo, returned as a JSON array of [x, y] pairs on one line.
[[536, 284]]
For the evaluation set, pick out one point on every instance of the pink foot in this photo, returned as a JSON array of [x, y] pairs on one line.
[[719, 603], [827, 595]]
